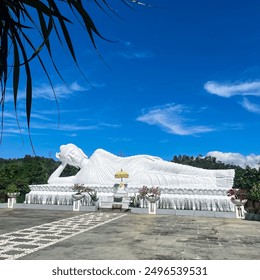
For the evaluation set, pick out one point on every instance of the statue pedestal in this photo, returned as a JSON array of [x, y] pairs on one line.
[[215, 200], [121, 197], [121, 192]]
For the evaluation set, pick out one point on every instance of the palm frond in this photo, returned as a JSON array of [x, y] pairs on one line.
[[45, 17]]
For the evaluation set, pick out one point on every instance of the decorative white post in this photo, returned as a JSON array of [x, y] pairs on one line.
[[240, 211], [76, 205], [151, 207], [152, 203], [10, 202], [238, 198], [239, 207], [11, 199], [77, 201]]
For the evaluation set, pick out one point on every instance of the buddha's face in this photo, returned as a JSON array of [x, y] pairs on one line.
[[71, 154]]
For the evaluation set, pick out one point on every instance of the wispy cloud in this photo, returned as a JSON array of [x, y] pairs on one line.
[[232, 89], [135, 54], [62, 91], [63, 127], [11, 127], [131, 52], [72, 135], [46, 124], [237, 159], [231, 126], [228, 90], [249, 106], [76, 126], [11, 130], [171, 118], [116, 140], [45, 91], [109, 125]]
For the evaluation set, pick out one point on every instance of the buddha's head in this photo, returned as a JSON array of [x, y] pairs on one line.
[[72, 155]]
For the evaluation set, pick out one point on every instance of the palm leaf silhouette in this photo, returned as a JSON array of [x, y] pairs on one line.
[[18, 47]]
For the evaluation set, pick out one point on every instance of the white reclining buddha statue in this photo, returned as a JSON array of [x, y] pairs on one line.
[[100, 169]]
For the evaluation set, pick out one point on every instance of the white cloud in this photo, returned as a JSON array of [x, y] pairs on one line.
[[73, 135], [76, 87], [251, 160], [251, 107], [237, 89], [45, 91], [43, 121], [61, 91], [109, 125], [70, 127], [170, 118], [127, 43], [63, 127], [133, 54], [116, 140], [11, 130], [231, 89]]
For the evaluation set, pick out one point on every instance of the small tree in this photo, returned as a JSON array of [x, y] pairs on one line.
[[254, 193]]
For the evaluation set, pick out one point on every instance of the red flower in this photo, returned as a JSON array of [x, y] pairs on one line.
[[237, 194]]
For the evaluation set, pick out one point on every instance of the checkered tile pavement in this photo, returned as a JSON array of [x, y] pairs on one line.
[[14, 245]]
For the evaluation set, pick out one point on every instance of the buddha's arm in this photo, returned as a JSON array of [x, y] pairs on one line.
[[55, 176]]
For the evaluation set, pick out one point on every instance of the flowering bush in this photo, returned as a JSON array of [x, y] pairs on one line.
[[240, 194], [80, 188], [153, 191], [143, 191]]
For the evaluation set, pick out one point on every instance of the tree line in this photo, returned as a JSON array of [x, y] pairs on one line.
[[27, 171], [245, 178], [36, 170]]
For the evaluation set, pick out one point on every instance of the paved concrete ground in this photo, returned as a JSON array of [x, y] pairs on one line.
[[61, 235]]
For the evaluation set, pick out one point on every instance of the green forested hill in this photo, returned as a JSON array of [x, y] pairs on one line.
[[26, 171]]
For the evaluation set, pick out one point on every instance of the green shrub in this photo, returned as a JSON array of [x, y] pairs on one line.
[[254, 193], [12, 188]]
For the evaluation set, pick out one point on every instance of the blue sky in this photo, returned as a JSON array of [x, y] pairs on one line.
[[180, 79]]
